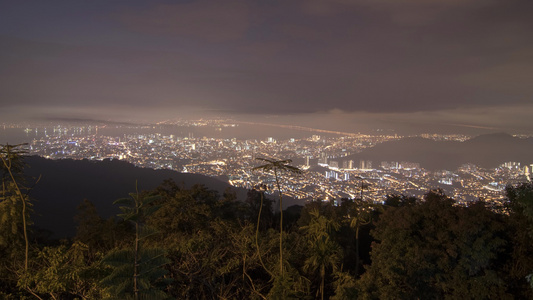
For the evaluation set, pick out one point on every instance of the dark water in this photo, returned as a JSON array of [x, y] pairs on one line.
[[241, 132]]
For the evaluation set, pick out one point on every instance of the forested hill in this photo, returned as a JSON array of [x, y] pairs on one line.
[[65, 183], [487, 151]]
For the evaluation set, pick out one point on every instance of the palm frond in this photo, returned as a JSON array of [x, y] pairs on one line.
[[282, 165]]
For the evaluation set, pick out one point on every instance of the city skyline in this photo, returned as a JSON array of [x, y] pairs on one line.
[[351, 66], [334, 165]]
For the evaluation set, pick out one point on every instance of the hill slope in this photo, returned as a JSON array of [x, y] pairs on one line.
[[486, 151], [65, 183]]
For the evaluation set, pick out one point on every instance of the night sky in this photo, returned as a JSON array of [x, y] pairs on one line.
[[351, 65]]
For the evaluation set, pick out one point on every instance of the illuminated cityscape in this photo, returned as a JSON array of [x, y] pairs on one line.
[[328, 174]]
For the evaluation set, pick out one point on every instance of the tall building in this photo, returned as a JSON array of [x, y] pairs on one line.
[[365, 164], [332, 175], [511, 165], [323, 160]]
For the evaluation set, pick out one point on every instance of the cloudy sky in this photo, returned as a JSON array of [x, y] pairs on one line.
[[346, 64]]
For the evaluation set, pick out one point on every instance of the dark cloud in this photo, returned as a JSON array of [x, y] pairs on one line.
[[214, 21], [269, 57]]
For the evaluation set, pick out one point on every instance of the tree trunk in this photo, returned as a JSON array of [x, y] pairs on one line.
[[135, 262], [357, 260], [280, 225], [323, 275]]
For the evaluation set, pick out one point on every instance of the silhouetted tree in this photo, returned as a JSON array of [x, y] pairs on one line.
[[520, 204], [12, 166], [359, 213], [277, 166], [324, 252], [137, 271], [436, 250]]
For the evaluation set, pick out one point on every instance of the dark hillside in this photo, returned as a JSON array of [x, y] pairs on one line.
[[65, 183]]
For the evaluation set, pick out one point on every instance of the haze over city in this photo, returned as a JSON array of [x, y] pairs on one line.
[[409, 66]]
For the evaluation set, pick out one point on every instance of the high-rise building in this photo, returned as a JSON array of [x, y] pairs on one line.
[[365, 164], [332, 175], [323, 160]]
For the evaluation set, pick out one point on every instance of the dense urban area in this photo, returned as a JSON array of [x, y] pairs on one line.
[[327, 175]]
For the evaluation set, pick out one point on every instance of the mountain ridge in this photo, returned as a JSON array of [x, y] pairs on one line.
[[487, 151], [65, 183]]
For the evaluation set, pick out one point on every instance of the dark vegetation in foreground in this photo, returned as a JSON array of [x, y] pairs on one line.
[[195, 243], [64, 183]]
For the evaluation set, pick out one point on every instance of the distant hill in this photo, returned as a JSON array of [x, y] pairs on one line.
[[65, 183], [487, 151]]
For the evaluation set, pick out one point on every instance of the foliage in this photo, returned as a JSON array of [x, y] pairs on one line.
[[521, 201], [210, 243], [12, 162], [12, 242], [15, 208], [11, 225], [359, 213], [136, 271], [345, 286], [324, 253], [436, 250], [290, 286], [136, 276], [15, 212], [98, 234], [61, 271], [520, 207]]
